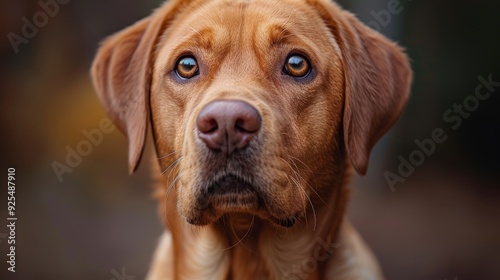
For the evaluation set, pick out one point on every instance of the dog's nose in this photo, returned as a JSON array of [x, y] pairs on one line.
[[227, 125]]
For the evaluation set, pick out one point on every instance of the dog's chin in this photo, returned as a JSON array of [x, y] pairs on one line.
[[232, 196]]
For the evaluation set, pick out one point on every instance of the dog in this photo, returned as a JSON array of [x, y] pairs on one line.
[[259, 110]]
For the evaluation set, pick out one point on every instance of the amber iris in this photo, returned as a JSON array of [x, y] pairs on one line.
[[187, 67], [297, 66]]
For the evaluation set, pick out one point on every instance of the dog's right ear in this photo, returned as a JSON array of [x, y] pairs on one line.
[[121, 73]]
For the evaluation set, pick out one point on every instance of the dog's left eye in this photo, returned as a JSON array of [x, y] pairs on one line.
[[187, 67], [297, 66]]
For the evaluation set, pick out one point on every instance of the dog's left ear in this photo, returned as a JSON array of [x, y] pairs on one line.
[[377, 81], [121, 72]]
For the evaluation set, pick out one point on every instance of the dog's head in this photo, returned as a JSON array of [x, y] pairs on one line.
[[255, 105]]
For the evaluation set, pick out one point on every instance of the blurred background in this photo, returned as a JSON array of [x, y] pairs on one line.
[[440, 222]]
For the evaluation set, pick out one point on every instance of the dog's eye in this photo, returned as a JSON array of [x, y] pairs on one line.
[[187, 67], [297, 66]]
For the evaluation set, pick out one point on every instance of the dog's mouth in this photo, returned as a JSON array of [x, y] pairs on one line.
[[231, 193], [228, 193]]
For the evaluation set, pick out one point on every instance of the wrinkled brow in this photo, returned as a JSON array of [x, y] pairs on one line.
[[203, 38], [279, 34], [214, 39]]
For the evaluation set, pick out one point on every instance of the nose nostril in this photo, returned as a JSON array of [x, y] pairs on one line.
[[244, 127], [213, 126], [208, 126], [248, 124], [240, 126]]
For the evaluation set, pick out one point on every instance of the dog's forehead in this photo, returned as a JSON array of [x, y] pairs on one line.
[[268, 22], [232, 12]]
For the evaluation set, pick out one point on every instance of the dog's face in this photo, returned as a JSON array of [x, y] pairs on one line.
[[250, 63], [254, 105]]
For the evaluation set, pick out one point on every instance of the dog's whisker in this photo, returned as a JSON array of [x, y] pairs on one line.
[[170, 154], [303, 163], [300, 178], [320, 198], [167, 193], [244, 236], [313, 210], [296, 182], [173, 183], [173, 168], [310, 202], [168, 167], [295, 173]]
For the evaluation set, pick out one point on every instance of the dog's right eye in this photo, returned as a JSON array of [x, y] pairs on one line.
[[297, 66], [187, 67]]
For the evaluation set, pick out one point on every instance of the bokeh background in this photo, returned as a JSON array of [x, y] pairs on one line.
[[442, 222]]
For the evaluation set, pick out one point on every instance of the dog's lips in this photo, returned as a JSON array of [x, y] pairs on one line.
[[231, 193], [230, 184]]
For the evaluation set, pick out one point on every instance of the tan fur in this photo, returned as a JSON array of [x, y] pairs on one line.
[[312, 131]]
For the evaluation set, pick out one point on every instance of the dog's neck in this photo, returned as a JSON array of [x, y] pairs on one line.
[[245, 247]]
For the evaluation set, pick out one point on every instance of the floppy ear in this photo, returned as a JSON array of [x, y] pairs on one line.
[[377, 81], [121, 73]]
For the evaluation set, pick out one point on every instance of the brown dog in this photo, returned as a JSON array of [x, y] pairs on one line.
[[258, 109]]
